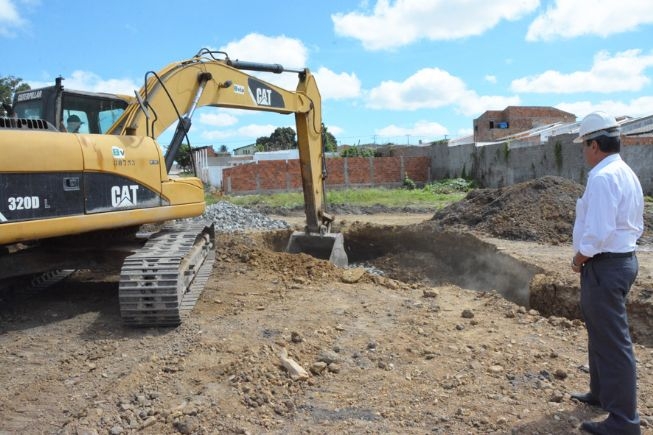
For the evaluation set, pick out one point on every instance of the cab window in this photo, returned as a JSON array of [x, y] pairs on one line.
[[29, 110], [96, 114]]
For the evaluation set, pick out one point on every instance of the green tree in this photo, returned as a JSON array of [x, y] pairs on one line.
[[357, 152], [184, 157], [283, 138], [9, 85], [263, 143], [331, 142]]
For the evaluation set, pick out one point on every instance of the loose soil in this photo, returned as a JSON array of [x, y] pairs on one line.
[[460, 321]]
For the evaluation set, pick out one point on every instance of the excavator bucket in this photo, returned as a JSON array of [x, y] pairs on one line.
[[329, 246]]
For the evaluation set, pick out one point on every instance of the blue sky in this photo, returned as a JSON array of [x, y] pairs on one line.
[[388, 71]]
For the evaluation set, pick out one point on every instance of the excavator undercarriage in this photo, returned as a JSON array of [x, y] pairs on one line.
[[162, 272], [162, 281]]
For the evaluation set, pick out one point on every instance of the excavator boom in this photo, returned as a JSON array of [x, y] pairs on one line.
[[176, 91]]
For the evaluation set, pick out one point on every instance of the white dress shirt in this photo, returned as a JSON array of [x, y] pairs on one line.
[[610, 214]]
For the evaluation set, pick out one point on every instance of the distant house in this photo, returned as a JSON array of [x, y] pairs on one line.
[[496, 124], [246, 150]]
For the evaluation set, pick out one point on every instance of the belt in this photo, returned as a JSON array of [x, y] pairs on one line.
[[604, 255]]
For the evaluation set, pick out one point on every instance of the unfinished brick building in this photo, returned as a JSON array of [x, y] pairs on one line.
[[496, 124]]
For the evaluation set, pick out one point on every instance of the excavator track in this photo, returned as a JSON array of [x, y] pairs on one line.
[[160, 284]]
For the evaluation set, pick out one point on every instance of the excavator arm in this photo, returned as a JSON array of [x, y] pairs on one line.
[[173, 94]]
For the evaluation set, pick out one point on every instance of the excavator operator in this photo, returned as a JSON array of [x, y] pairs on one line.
[[73, 124]]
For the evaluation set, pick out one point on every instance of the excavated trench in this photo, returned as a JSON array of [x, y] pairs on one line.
[[422, 253]]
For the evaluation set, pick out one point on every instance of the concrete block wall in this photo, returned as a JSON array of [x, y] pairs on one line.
[[638, 153], [284, 175], [503, 164]]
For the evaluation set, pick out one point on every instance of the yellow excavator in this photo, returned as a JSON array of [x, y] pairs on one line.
[[84, 184]]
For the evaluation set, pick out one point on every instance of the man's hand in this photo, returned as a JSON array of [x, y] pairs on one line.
[[578, 261]]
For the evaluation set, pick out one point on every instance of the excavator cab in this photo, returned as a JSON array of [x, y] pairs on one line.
[[94, 112]]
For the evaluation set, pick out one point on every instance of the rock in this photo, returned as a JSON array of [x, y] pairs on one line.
[[556, 397], [186, 426], [351, 276], [467, 314], [430, 293], [318, 367], [560, 374], [495, 369], [391, 284], [334, 367], [328, 357]]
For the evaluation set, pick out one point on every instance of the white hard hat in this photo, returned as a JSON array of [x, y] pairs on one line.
[[596, 124]]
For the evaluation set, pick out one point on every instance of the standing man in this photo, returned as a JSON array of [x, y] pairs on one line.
[[609, 220]]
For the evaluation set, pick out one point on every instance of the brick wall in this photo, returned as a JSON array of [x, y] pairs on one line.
[[518, 119], [284, 175]]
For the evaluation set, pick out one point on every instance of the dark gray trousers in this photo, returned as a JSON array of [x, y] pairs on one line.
[[604, 285]]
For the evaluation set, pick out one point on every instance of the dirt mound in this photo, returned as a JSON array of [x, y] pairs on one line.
[[540, 210], [265, 251]]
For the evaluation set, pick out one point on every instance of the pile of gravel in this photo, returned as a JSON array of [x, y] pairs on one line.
[[230, 218]]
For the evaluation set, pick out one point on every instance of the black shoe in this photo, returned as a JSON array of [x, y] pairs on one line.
[[594, 427], [607, 427], [586, 398]]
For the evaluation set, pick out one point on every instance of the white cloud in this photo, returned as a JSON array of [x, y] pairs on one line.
[[288, 52], [291, 53], [419, 129], [337, 86], [472, 104], [465, 132], [335, 130], [428, 88], [568, 19], [642, 106], [218, 119], [431, 88], [390, 26], [491, 79], [255, 47], [622, 72], [88, 81], [10, 18], [252, 131]]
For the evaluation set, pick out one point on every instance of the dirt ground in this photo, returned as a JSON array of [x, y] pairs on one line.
[[463, 321]]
